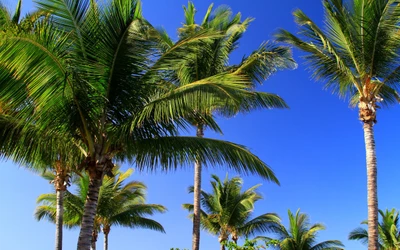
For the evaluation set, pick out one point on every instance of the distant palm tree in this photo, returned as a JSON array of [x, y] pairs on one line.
[[60, 177], [389, 231], [227, 211], [301, 235], [120, 204], [258, 67], [357, 55]]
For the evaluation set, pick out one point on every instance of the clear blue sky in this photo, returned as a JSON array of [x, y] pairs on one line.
[[316, 149]]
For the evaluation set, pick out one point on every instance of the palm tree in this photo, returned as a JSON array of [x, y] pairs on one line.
[[300, 235], [227, 211], [258, 67], [120, 204], [6, 18], [388, 228], [15, 22], [98, 74], [45, 153], [357, 56], [60, 177]]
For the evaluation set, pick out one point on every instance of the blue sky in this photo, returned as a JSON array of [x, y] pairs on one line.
[[316, 149]]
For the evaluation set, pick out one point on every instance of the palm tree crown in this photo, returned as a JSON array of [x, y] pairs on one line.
[[227, 210], [301, 235]]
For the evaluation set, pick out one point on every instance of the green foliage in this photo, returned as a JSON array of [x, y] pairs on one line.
[[100, 75], [356, 53], [227, 210], [300, 235], [251, 244], [108, 102], [388, 229], [248, 245], [120, 203], [212, 62]]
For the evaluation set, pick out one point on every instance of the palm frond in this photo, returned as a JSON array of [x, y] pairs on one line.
[[170, 152]]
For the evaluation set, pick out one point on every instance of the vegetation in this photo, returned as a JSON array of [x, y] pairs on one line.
[[120, 204], [300, 235], [108, 102], [227, 211], [388, 228], [357, 56], [85, 84], [204, 66]]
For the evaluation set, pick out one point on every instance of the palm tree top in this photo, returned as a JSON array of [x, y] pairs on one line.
[[120, 203], [301, 234], [228, 210], [356, 52]]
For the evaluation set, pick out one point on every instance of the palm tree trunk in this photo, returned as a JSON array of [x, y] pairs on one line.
[[87, 227], [106, 231], [59, 219], [94, 240], [372, 186], [196, 193], [106, 241], [220, 240], [61, 181], [235, 240]]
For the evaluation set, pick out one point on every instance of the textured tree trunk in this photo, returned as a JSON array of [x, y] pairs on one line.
[[106, 231], [87, 227], [61, 181], [94, 240], [372, 186], [93, 245], [106, 241], [196, 194], [59, 219]]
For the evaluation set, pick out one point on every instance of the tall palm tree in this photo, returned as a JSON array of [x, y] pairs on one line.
[[98, 74], [389, 231], [258, 67], [301, 235], [227, 211], [120, 203], [357, 56]]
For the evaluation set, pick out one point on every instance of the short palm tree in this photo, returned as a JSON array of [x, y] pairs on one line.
[[258, 67], [389, 231], [120, 204], [99, 75], [59, 174], [301, 235], [227, 211], [357, 55]]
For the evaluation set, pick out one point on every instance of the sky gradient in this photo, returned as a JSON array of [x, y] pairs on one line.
[[316, 149]]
